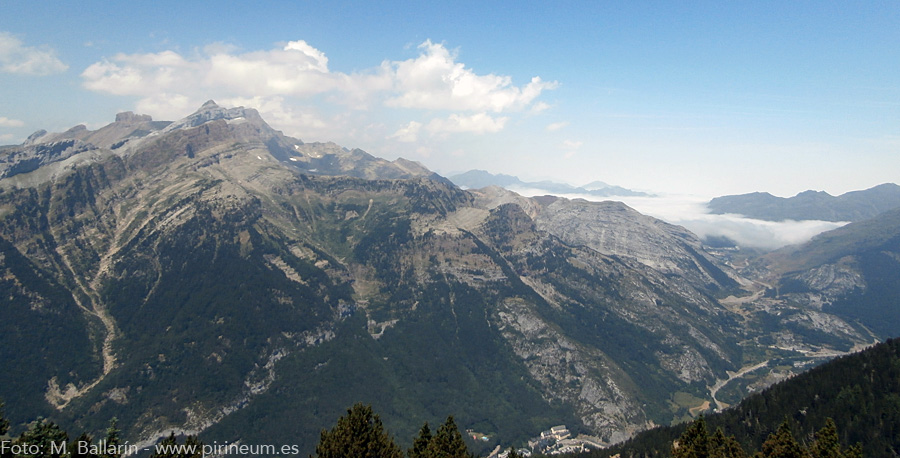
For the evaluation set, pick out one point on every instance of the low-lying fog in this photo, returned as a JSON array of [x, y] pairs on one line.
[[691, 212]]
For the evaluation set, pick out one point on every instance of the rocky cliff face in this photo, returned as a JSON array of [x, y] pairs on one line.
[[615, 229], [230, 280]]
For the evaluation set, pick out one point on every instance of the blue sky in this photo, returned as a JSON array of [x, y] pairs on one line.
[[707, 98]]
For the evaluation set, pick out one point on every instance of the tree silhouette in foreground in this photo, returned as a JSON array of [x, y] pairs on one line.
[[696, 442], [420, 443], [447, 442], [169, 448], [361, 434], [781, 444], [358, 434]]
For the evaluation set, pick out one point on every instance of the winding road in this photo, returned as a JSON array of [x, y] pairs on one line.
[[721, 383]]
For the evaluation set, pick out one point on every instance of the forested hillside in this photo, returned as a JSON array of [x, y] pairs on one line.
[[860, 392]]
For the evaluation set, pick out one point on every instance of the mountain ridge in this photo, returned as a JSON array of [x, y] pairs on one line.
[[229, 273], [811, 205], [474, 179]]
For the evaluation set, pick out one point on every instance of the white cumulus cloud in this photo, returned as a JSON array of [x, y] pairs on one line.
[[571, 147], [435, 81], [17, 58], [295, 69], [553, 127], [478, 123], [167, 105], [279, 81], [539, 107], [6, 122], [408, 133]]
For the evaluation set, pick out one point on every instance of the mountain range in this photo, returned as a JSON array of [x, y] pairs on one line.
[[475, 179], [811, 205], [212, 275]]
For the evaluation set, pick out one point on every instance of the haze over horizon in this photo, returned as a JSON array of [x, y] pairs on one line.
[[705, 99]]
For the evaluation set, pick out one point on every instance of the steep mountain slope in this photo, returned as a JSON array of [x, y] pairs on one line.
[[852, 272], [811, 205], [216, 276], [614, 228], [45, 333]]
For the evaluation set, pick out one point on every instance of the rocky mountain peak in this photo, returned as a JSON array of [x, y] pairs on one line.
[[130, 117], [35, 137], [210, 111], [810, 194]]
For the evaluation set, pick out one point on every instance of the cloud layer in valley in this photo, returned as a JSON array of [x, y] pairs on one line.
[[691, 212]]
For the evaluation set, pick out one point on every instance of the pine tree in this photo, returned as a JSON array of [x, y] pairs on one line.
[[111, 442], [193, 448], [165, 448], [721, 446], [420, 443], [854, 451], [4, 427], [781, 444], [694, 442], [358, 434], [48, 437], [827, 443], [80, 444], [4, 423], [169, 448], [447, 442]]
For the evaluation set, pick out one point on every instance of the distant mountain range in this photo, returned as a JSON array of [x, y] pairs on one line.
[[476, 179], [811, 205]]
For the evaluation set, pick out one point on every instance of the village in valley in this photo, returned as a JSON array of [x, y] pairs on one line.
[[554, 441]]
